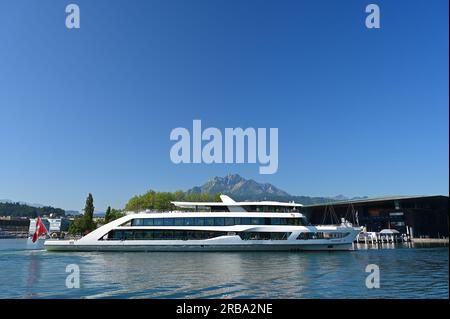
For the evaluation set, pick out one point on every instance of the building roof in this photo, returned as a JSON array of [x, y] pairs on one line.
[[377, 199]]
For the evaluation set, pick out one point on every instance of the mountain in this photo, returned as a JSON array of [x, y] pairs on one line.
[[240, 188], [78, 213], [72, 213]]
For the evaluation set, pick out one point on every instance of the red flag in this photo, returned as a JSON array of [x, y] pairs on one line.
[[40, 229]]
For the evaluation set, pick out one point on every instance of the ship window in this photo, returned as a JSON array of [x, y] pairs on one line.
[[148, 222], [138, 234], [167, 234], [264, 235], [158, 222], [137, 222], [148, 235], [219, 221], [168, 221], [335, 235], [276, 221], [257, 221], [199, 221], [116, 235], [215, 221], [158, 234], [163, 234], [321, 235], [128, 234]]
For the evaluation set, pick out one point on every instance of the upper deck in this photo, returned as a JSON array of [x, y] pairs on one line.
[[229, 205]]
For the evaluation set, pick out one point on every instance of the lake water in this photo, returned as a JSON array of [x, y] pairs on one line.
[[28, 271]]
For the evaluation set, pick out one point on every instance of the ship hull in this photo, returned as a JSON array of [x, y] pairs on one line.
[[200, 248]]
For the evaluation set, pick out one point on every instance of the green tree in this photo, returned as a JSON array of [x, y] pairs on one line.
[[161, 201], [89, 207], [108, 214], [87, 224], [112, 214], [78, 226]]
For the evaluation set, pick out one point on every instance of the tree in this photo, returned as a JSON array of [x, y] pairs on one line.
[[89, 207], [88, 223], [78, 226], [108, 215], [112, 214], [115, 214]]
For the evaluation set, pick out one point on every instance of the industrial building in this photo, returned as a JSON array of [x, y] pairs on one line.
[[416, 216]]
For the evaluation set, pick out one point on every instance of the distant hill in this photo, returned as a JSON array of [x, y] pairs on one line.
[[23, 210], [72, 213], [240, 188], [22, 203]]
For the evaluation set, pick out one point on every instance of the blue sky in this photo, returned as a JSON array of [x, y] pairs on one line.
[[359, 111]]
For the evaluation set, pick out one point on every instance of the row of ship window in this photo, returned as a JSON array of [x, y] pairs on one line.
[[201, 234], [215, 221]]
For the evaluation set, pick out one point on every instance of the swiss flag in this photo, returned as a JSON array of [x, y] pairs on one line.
[[40, 229]]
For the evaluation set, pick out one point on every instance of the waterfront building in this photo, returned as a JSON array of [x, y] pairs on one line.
[[415, 216]]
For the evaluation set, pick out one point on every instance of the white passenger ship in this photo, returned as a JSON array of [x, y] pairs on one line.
[[215, 226]]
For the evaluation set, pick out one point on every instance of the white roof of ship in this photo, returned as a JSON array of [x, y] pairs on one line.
[[227, 201]]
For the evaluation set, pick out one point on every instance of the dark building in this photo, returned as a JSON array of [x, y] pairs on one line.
[[418, 216]]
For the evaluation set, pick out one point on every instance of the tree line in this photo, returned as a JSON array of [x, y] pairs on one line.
[[22, 210], [161, 201]]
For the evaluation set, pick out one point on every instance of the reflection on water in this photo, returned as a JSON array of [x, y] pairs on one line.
[[33, 271], [405, 273]]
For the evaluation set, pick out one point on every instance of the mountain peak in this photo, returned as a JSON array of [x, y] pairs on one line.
[[239, 188]]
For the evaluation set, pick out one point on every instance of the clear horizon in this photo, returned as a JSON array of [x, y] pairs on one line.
[[360, 112]]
